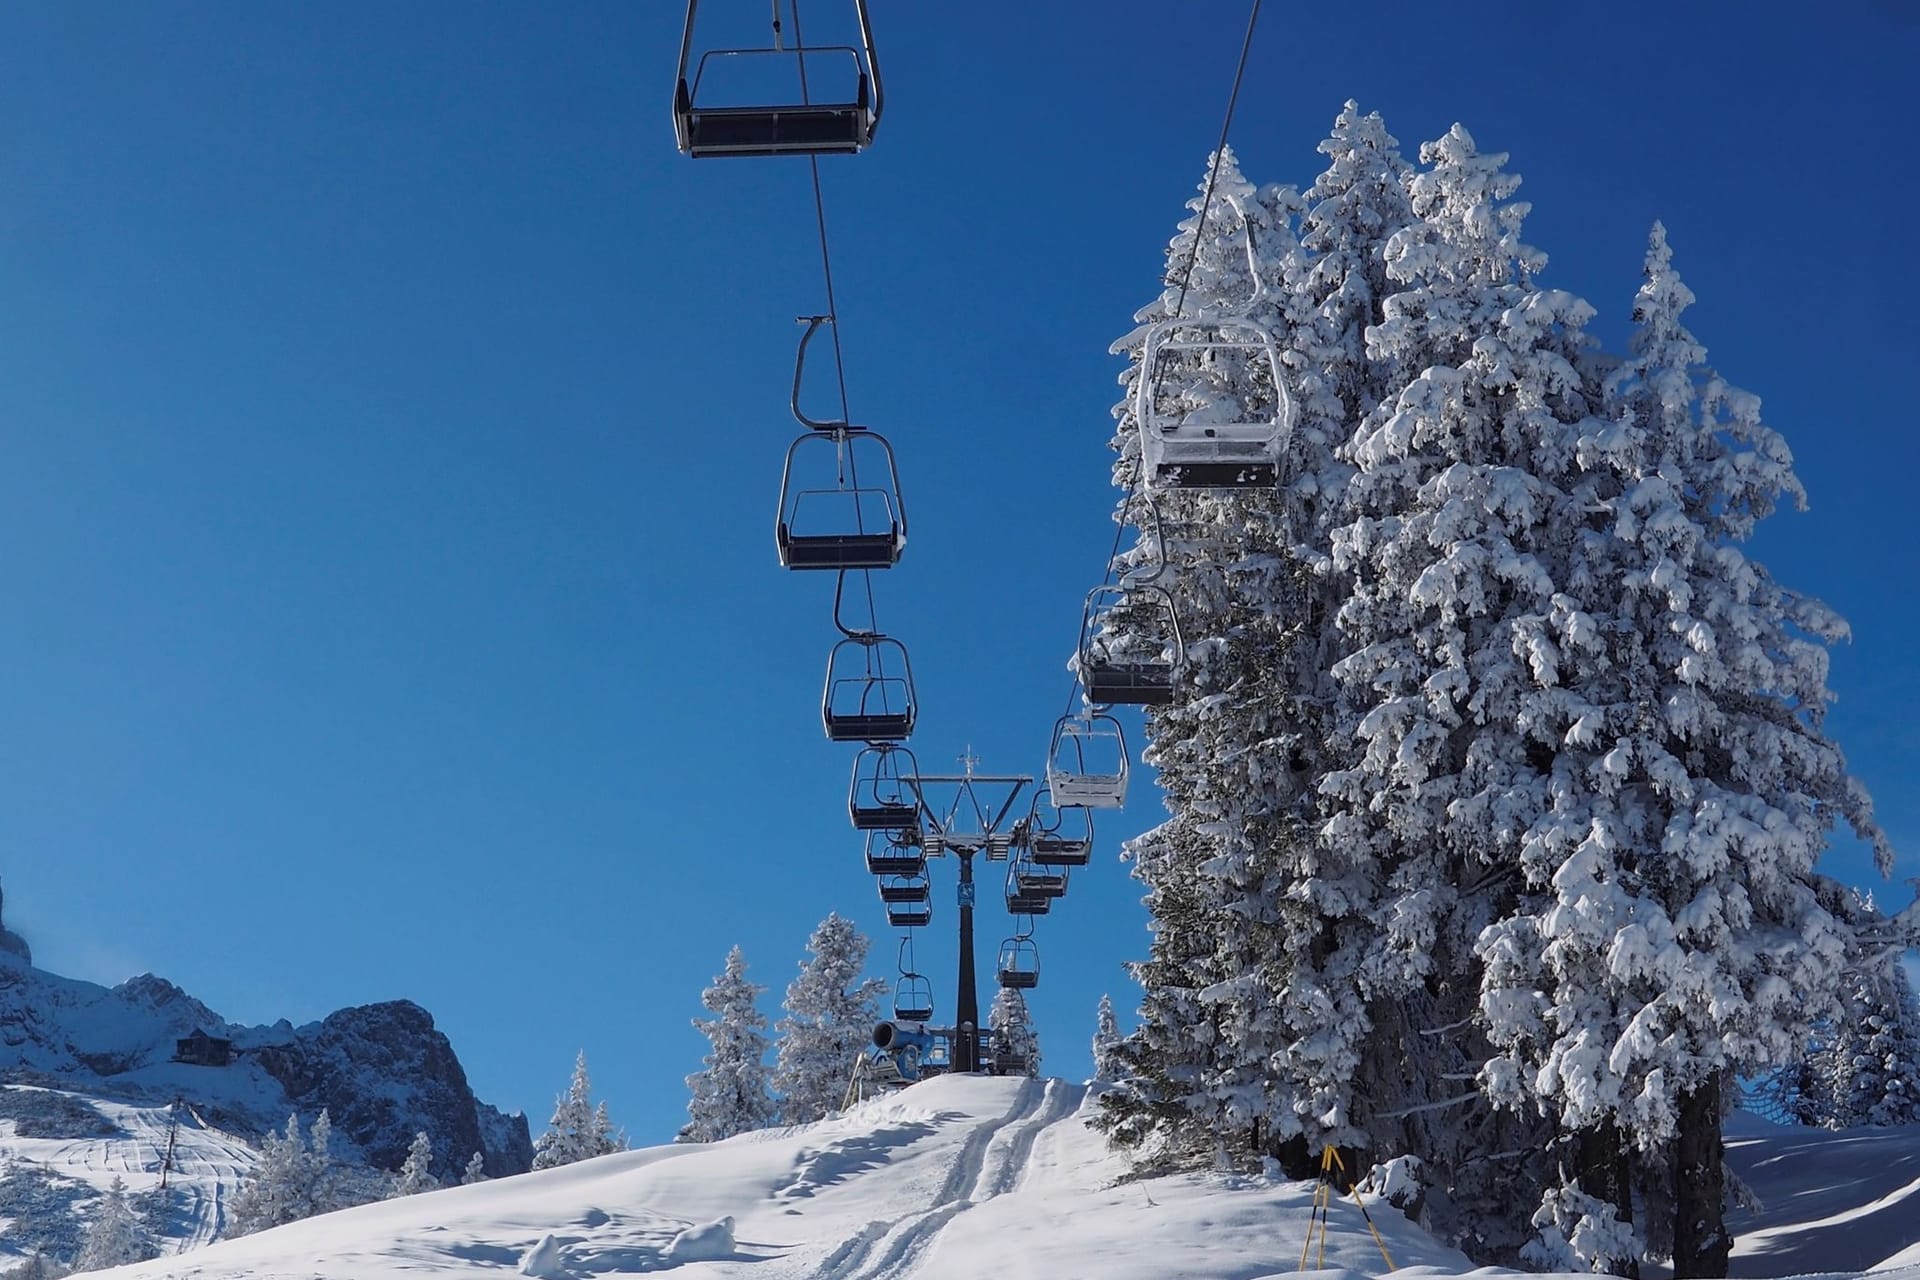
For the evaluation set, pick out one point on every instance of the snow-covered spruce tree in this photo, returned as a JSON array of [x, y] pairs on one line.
[[831, 1011], [1016, 1044], [115, 1236], [1453, 544], [271, 1194], [1106, 1041], [1886, 1081], [578, 1131], [476, 1170], [1672, 932], [730, 1093], [416, 1172]]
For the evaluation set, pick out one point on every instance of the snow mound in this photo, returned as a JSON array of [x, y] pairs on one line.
[[710, 1243]]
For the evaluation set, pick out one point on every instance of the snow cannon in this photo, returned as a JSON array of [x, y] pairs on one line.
[[893, 1037], [906, 1044]]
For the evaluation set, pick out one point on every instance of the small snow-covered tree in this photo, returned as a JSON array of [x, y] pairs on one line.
[[416, 1174], [831, 1011], [476, 1170], [730, 1093], [1016, 1045], [115, 1235], [578, 1131], [277, 1189], [1106, 1041]]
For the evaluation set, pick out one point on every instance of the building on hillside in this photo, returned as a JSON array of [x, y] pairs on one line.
[[203, 1050]]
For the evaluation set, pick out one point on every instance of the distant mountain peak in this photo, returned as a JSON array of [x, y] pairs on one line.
[[12, 943]]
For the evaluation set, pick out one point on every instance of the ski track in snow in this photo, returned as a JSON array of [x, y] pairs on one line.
[[906, 1239], [992, 1163], [207, 1164]]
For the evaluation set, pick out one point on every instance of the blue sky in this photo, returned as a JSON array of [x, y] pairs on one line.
[[392, 423]]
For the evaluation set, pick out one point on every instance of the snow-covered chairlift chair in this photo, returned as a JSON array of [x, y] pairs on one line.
[[1087, 762], [1197, 430]]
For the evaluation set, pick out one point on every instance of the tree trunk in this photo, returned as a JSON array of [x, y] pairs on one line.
[[1600, 1165], [1700, 1242]]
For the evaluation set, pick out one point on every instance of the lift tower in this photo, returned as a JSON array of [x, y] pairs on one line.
[[959, 817]]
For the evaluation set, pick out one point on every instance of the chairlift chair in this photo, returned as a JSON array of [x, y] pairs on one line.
[[912, 998], [1196, 432], [890, 857], [841, 127], [827, 518], [907, 915], [907, 890], [1059, 836], [1087, 762], [869, 690], [880, 798], [1019, 967], [1028, 879], [1138, 666], [1022, 904]]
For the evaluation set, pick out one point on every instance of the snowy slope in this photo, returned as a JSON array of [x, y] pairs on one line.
[[208, 1164], [959, 1176]]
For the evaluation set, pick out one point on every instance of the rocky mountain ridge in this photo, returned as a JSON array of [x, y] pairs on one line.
[[382, 1071]]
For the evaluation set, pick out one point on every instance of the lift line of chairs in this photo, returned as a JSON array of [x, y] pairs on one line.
[[1199, 429]]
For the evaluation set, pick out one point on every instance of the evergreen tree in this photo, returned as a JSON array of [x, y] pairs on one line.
[[416, 1174], [577, 1130], [1693, 790], [831, 1012], [115, 1236], [476, 1170], [730, 1094], [275, 1192], [1106, 1041]]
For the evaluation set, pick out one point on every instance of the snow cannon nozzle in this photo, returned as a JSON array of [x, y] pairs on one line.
[[891, 1037]]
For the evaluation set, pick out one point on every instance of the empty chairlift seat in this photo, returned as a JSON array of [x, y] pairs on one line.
[[1019, 967], [911, 890], [1058, 835], [830, 516], [1087, 762], [748, 125], [1131, 652], [912, 998], [1213, 409], [882, 797], [869, 691], [893, 854], [907, 915]]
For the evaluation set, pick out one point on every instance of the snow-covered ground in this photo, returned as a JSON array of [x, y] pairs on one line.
[[966, 1177], [208, 1164]]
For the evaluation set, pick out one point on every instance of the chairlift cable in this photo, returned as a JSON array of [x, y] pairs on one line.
[[1186, 279], [1213, 170], [833, 317]]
